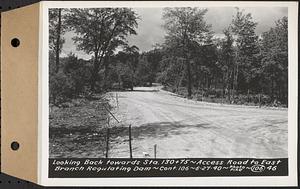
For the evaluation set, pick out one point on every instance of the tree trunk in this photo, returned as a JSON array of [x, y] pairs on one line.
[[223, 86], [131, 87], [208, 81], [235, 82], [272, 89], [188, 65], [197, 78], [57, 50], [94, 72], [105, 84], [228, 84], [93, 81], [259, 99], [189, 79], [285, 88], [248, 95], [119, 81]]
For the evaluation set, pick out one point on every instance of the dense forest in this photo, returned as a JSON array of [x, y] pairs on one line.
[[239, 68]]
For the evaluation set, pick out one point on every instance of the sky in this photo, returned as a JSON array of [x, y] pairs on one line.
[[151, 32]]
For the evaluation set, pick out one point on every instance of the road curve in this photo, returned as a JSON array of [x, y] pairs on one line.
[[183, 128]]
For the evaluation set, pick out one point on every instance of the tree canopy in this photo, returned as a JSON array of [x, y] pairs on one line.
[[191, 61], [100, 31]]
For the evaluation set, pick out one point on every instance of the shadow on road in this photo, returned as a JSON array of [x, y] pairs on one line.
[[164, 129]]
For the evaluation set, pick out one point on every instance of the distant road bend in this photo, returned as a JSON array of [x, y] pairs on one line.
[[183, 128]]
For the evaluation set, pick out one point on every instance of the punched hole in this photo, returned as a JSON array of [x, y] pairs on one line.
[[15, 145], [15, 42]]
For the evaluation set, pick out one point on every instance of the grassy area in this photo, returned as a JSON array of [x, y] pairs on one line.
[[77, 128], [215, 96]]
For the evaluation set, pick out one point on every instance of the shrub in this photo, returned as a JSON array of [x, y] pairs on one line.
[[78, 71], [61, 88]]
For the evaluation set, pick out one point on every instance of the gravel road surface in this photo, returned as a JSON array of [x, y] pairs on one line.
[[183, 128]]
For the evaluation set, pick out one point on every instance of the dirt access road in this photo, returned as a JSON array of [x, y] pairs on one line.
[[183, 128]]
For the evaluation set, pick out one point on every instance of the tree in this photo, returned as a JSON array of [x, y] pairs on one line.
[[274, 50], [172, 72], [243, 28], [56, 30], [125, 66], [205, 68], [132, 58], [143, 71], [100, 31], [129, 59], [185, 26], [153, 57], [227, 60], [78, 70]]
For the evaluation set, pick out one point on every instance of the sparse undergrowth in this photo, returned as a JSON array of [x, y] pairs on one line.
[[78, 128], [215, 96]]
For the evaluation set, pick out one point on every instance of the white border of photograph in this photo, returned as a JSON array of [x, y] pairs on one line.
[[43, 164]]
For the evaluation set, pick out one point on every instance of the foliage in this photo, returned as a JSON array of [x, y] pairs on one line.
[[274, 50], [99, 31], [78, 71], [70, 82], [154, 57], [61, 88], [240, 67], [56, 29], [124, 76], [186, 29], [234, 67], [247, 59]]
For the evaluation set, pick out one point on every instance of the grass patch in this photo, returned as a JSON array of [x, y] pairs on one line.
[[215, 96], [77, 128]]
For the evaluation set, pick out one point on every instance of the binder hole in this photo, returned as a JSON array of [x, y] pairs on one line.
[[15, 145], [15, 42]]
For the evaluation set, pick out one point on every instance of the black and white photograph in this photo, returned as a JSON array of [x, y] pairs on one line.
[[168, 82]]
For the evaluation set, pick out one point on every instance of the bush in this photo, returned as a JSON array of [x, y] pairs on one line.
[[61, 88], [215, 95], [78, 81], [77, 71]]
